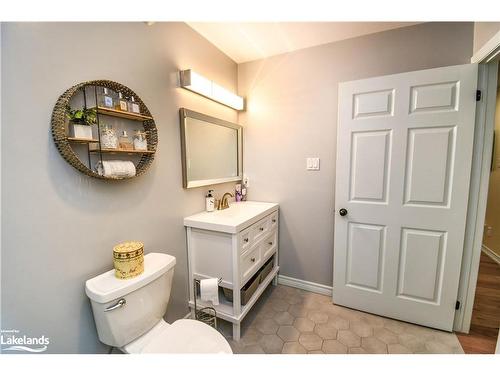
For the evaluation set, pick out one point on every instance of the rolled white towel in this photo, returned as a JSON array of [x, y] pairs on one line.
[[116, 168]]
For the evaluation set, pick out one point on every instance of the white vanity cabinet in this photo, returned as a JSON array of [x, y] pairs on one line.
[[232, 244]]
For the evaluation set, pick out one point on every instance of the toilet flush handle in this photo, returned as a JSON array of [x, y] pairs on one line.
[[121, 302]]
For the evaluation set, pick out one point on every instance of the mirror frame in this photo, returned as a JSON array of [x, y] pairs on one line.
[[187, 113]]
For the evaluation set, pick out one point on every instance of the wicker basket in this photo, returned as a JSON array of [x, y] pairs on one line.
[[246, 292], [128, 259], [266, 270]]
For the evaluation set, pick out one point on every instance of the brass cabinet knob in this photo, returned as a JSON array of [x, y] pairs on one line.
[[252, 259]]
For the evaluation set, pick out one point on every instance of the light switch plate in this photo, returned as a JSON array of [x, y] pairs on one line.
[[312, 164]]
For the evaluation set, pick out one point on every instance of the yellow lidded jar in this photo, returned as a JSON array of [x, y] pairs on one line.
[[128, 259]]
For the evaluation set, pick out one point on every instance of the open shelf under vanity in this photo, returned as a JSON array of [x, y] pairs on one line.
[[225, 308]]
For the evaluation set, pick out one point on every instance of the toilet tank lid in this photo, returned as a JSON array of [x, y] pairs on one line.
[[107, 287]]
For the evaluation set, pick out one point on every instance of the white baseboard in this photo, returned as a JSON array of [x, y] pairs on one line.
[[305, 285], [491, 254]]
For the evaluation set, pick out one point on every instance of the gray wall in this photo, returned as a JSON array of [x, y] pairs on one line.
[[484, 31], [292, 114], [58, 225]]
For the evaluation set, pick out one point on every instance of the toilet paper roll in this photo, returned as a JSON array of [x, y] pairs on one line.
[[209, 290]]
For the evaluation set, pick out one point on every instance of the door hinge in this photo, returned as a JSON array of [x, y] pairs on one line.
[[457, 305], [478, 95]]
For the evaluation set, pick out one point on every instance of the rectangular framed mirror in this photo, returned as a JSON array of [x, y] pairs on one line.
[[211, 150]]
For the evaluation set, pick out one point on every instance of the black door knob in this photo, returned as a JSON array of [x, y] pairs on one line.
[[343, 212]]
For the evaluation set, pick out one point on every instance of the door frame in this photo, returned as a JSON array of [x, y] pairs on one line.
[[487, 58]]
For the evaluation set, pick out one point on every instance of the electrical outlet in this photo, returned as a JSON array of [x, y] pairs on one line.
[[246, 180], [312, 164], [316, 164]]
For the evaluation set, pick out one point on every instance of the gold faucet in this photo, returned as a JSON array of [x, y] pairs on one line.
[[222, 203]]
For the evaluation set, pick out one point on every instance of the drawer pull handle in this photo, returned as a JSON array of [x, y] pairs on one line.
[[245, 240], [261, 229], [252, 259], [274, 220], [270, 243]]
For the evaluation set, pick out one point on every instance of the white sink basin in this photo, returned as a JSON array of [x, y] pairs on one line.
[[238, 216]]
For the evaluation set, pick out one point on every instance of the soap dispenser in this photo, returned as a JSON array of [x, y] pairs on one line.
[[133, 106], [124, 141], [210, 202], [121, 103], [105, 98]]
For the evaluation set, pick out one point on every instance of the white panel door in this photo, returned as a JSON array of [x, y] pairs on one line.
[[404, 151]]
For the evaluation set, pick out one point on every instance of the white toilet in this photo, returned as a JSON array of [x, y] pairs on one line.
[[129, 313]]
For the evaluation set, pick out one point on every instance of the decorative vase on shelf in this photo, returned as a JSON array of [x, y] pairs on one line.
[[108, 137], [82, 131]]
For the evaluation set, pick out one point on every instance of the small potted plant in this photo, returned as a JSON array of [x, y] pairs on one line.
[[82, 121]]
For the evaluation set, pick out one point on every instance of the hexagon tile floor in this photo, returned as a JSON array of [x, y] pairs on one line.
[[288, 320]]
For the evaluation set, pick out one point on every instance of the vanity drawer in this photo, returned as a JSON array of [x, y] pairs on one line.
[[250, 262], [260, 229], [269, 245], [245, 240], [273, 220]]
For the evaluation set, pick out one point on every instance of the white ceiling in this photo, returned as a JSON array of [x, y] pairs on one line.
[[256, 40]]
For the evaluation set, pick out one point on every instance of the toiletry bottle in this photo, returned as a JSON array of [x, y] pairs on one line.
[[140, 141], [124, 141], [210, 201], [105, 98], [121, 103], [133, 106], [109, 139], [244, 193], [237, 194]]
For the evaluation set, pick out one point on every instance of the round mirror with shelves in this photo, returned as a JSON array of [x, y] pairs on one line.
[[95, 122]]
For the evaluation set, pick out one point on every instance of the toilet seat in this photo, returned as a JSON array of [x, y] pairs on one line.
[[188, 336]]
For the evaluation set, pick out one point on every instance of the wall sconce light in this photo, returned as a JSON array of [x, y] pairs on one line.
[[195, 82]]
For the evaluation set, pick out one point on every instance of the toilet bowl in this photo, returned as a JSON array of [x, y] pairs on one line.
[[129, 313], [182, 336]]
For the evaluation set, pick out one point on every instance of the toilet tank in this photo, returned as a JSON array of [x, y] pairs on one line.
[[126, 309]]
